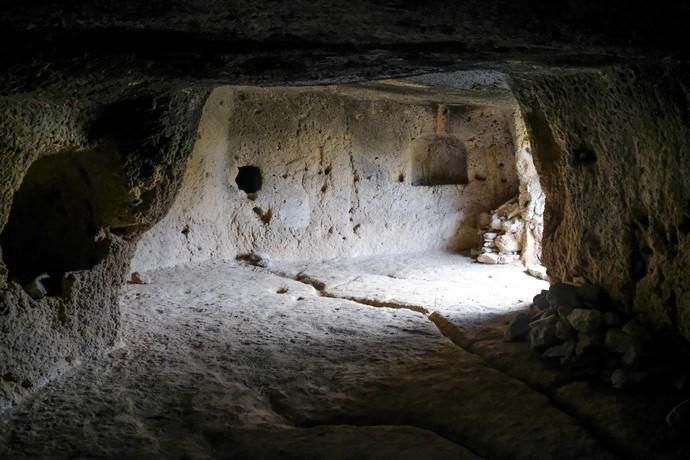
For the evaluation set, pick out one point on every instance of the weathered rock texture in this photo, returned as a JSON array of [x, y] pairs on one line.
[[611, 149], [91, 47], [78, 79], [78, 184], [336, 168], [531, 197], [502, 234]]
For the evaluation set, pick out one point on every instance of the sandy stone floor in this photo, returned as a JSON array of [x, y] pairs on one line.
[[387, 358]]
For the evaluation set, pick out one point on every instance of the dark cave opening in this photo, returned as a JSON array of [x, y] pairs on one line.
[[56, 217]]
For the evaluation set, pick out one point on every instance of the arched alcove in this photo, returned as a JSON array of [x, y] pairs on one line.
[[438, 160]]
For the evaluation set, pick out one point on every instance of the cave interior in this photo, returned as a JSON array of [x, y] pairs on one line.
[[344, 231]]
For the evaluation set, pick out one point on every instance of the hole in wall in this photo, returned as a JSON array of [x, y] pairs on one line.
[[584, 155], [249, 179]]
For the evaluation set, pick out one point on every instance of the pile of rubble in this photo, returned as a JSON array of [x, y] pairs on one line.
[[502, 232], [575, 326]]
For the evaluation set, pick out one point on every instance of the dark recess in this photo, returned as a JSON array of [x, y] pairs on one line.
[[249, 179], [584, 155], [55, 216], [438, 160]]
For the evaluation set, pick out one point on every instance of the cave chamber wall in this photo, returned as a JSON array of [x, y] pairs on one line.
[[336, 177], [611, 147], [79, 183]]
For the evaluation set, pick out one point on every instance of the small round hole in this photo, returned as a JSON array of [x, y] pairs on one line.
[[249, 179]]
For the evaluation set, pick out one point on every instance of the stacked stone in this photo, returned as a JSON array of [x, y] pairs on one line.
[[501, 232], [572, 325]]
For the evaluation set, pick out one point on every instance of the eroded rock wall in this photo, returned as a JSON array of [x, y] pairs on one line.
[[336, 178], [611, 147], [84, 181], [531, 199]]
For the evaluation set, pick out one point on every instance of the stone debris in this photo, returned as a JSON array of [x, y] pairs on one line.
[[502, 232], [257, 259], [518, 329], [36, 288], [587, 342], [507, 243], [543, 333], [618, 341], [494, 258], [635, 329], [564, 330], [585, 321], [512, 226], [562, 294], [633, 354], [538, 271], [138, 278], [560, 351], [578, 326], [540, 300]]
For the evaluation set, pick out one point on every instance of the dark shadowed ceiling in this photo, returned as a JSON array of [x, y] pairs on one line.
[[93, 47]]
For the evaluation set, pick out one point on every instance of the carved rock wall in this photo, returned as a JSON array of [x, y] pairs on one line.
[[611, 147], [336, 169], [83, 180]]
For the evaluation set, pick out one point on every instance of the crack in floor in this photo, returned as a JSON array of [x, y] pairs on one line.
[[377, 303], [453, 333]]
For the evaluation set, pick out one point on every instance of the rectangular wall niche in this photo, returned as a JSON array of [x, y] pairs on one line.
[[438, 160]]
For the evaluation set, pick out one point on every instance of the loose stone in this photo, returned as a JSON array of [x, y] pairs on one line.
[[36, 289], [586, 321], [518, 329]]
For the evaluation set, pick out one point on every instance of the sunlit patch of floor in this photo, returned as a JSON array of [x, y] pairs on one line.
[[451, 284]]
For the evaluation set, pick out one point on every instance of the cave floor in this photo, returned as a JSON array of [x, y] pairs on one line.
[[387, 358]]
